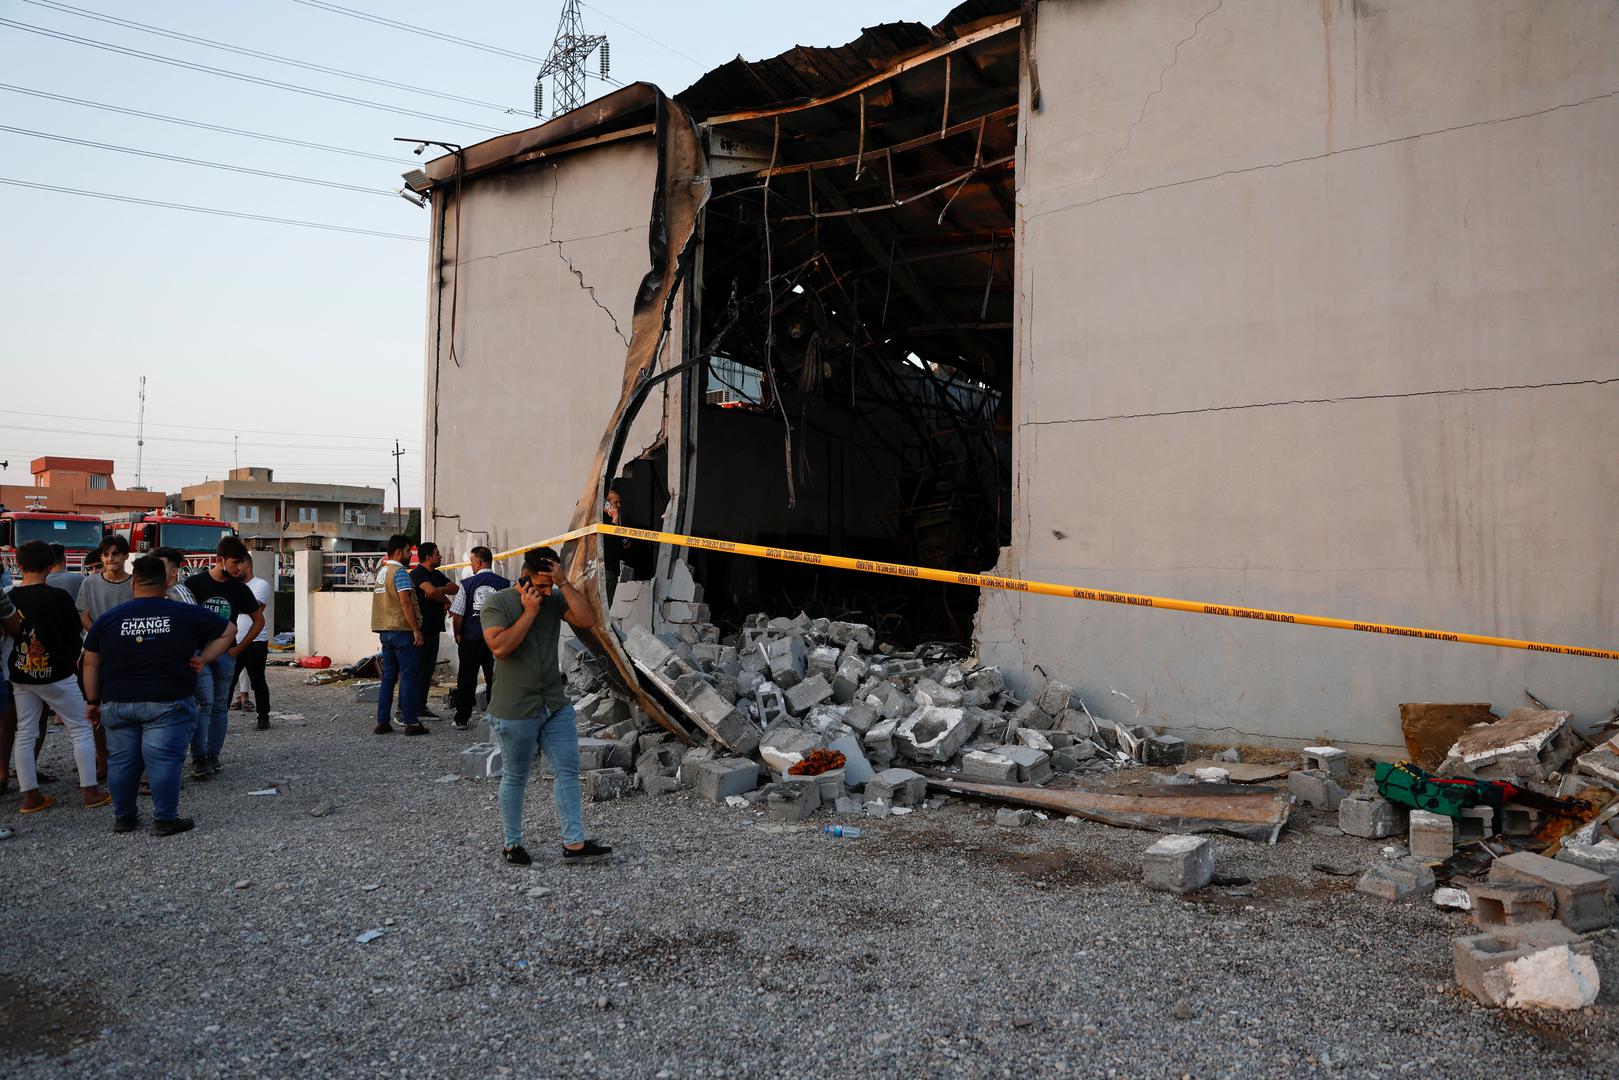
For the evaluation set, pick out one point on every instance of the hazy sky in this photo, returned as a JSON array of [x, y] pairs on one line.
[[305, 344]]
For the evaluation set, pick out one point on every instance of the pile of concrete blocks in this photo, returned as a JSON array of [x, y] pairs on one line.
[[780, 689]]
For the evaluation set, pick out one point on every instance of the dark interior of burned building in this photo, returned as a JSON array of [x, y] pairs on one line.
[[852, 295]]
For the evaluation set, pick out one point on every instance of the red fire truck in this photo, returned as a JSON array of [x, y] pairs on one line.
[[194, 537], [78, 533]]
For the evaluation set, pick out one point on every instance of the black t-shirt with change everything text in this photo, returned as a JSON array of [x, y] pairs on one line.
[[46, 649], [227, 599], [146, 648]]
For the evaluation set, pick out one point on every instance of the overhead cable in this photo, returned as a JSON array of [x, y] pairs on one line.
[[338, 9], [385, 192], [274, 58], [240, 76], [205, 127], [211, 210]]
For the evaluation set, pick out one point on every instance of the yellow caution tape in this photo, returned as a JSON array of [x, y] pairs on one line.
[[553, 542], [1046, 588]]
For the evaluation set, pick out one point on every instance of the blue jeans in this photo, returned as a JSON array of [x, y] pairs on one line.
[[213, 707], [150, 735], [556, 733], [398, 666]]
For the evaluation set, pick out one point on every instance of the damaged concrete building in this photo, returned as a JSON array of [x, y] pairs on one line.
[[1292, 306]]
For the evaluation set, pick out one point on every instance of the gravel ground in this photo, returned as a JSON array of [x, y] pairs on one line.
[[935, 945]]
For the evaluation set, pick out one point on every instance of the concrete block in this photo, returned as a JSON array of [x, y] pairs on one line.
[[792, 800], [930, 692], [720, 777], [1329, 759], [1076, 723], [1546, 971], [1054, 698], [1008, 817], [1033, 766], [897, 787], [1371, 817], [1584, 897], [856, 769], [894, 703], [1432, 836], [831, 783], [723, 722], [659, 785], [846, 633], [853, 803], [988, 767], [647, 648], [807, 694], [658, 761], [622, 755], [1178, 864], [481, 761], [932, 733], [879, 739], [688, 764], [1166, 750], [603, 785], [1601, 857], [1476, 823], [1030, 715], [1397, 879], [1509, 903], [1034, 739], [822, 660], [860, 717], [1313, 787]]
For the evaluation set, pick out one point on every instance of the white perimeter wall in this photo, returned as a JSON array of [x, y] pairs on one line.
[[1319, 311]]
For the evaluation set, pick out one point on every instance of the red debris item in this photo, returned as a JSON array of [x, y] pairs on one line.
[[818, 762], [315, 661]]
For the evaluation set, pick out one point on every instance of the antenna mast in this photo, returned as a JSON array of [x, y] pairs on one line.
[[140, 437], [565, 64]]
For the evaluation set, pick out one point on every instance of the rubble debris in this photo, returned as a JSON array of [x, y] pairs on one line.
[[897, 787], [481, 761], [717, 779], [1529, 744], [1249, 813], [1584, 897], [1601, 857], [1432, 836], [1178, 864], [1509, 903], [604, 785], [1368, 815], [1315, 788], [792, 800], [1542, 966], [1455, 899], [1010, 817], [1240, 772], [1432, 728], [1328, 759], [1601, 763], [1397, 879]]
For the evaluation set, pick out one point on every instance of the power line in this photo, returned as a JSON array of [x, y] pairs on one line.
[[240, 76], [200, 427], [210, 210], [641, 33], [384, 192], [202, 442], [239, 50], [205, 127], [338, 9]]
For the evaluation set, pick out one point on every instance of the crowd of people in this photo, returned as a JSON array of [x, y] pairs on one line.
[[141, 667], [135, 664]]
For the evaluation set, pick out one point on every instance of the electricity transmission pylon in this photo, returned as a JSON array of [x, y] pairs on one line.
[[565, 63]]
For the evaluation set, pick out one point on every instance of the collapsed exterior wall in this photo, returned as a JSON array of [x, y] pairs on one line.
[[1316, 314]]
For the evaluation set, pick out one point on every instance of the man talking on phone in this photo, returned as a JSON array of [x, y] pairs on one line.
[[529, 704]]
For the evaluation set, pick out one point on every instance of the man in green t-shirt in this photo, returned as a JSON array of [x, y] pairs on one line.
[[529, 705]]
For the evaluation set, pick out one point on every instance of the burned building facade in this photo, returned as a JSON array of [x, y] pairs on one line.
[[1302, 307]]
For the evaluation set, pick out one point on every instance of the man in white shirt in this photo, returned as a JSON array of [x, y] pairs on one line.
[[256, 652]]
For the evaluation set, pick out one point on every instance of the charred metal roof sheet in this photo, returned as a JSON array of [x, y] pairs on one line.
[[804, 73]]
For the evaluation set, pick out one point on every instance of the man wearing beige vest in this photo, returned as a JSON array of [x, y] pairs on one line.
[[397, 622]]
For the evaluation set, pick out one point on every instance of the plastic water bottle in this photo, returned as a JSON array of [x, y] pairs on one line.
[[848, 831]]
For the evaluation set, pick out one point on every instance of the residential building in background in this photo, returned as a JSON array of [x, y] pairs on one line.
[[74, 485], [271, 513]]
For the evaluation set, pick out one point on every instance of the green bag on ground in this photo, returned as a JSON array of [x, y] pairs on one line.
[[1409, 785]]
